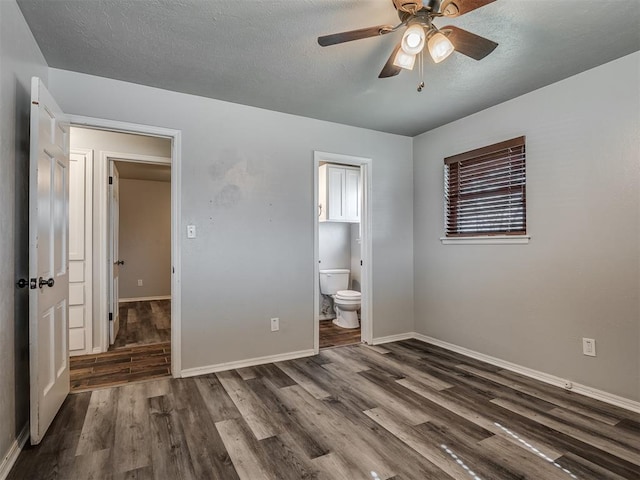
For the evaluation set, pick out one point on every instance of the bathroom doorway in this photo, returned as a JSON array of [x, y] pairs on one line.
[[342, 250]]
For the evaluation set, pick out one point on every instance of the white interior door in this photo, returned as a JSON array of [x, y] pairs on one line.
[[48, 259], [115, 262]]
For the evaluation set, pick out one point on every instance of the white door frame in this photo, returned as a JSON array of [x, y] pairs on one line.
[[366, 310], [100, 205]]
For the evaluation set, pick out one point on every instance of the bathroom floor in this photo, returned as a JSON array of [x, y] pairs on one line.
[[334, 336]]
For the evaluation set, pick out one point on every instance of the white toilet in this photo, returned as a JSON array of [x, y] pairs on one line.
[[335, 282]]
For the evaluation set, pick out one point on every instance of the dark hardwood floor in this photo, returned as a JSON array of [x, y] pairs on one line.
[[141, 351], [405, 410], [333, 336], [142, 323]]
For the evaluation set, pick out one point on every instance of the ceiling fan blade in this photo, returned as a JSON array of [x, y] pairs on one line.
[[409, 6], [351, 35], [455, 8], [389, 69], [468, 43]]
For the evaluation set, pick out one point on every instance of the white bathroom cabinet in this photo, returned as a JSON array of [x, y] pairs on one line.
[[339, 193]]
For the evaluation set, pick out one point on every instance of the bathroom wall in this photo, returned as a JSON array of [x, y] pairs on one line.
[[334, 245], [356, 269], [334, 248]]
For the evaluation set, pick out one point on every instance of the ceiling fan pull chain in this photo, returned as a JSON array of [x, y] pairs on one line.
[[421, 66]]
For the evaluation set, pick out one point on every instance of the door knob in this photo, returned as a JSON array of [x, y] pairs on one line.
[[119, 262], [22, 283], [45, 283]]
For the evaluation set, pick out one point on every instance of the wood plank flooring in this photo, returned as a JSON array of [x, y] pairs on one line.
[[405, 410], [118, 367], [333, 336], [142, 323], [141, 351]]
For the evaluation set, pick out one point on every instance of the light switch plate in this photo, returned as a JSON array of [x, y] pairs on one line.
[[191, 231], [589, 347]]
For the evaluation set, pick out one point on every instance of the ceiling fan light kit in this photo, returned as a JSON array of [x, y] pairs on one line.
[[404, 60], [417, 17], [413, 39], [440, 47]]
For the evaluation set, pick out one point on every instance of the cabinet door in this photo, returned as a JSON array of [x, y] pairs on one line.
[[352, 195], [336, 193]]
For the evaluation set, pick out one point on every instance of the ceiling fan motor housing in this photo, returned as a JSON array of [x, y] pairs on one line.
[[413, 6]]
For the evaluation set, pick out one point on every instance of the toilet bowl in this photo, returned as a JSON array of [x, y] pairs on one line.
[[346, 304]]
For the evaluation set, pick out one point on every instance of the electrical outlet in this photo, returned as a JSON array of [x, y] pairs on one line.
[[275, 324], [589, 347], [139, 282]]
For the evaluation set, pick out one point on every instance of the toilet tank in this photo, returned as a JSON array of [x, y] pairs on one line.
[[333, 280]]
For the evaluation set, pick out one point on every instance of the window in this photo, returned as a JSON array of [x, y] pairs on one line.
[[485, 191]]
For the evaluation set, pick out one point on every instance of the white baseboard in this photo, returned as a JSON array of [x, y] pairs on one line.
[[251, 362], [79, 353], [393, 338], [585, 390], [12, 455], [144, 299]]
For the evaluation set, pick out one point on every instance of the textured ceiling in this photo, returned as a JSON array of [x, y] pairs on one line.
[[264, 52]]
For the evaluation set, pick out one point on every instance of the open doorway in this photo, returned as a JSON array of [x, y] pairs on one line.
[[342, 307], [123, 284], [140, 234]]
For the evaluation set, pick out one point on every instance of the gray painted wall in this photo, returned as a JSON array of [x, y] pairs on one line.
[[247, 178], [145, 238], [20, 59], [334, 245], [579, 276]]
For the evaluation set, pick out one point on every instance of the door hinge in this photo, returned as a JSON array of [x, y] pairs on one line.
[[110, 317], [110, 180]]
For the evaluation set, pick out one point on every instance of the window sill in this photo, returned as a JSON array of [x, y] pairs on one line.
[[487, 240]]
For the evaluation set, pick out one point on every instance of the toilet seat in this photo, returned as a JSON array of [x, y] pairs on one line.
[[348, 296]]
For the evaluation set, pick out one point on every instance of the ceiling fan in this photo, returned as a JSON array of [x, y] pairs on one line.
[[417, 16]]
